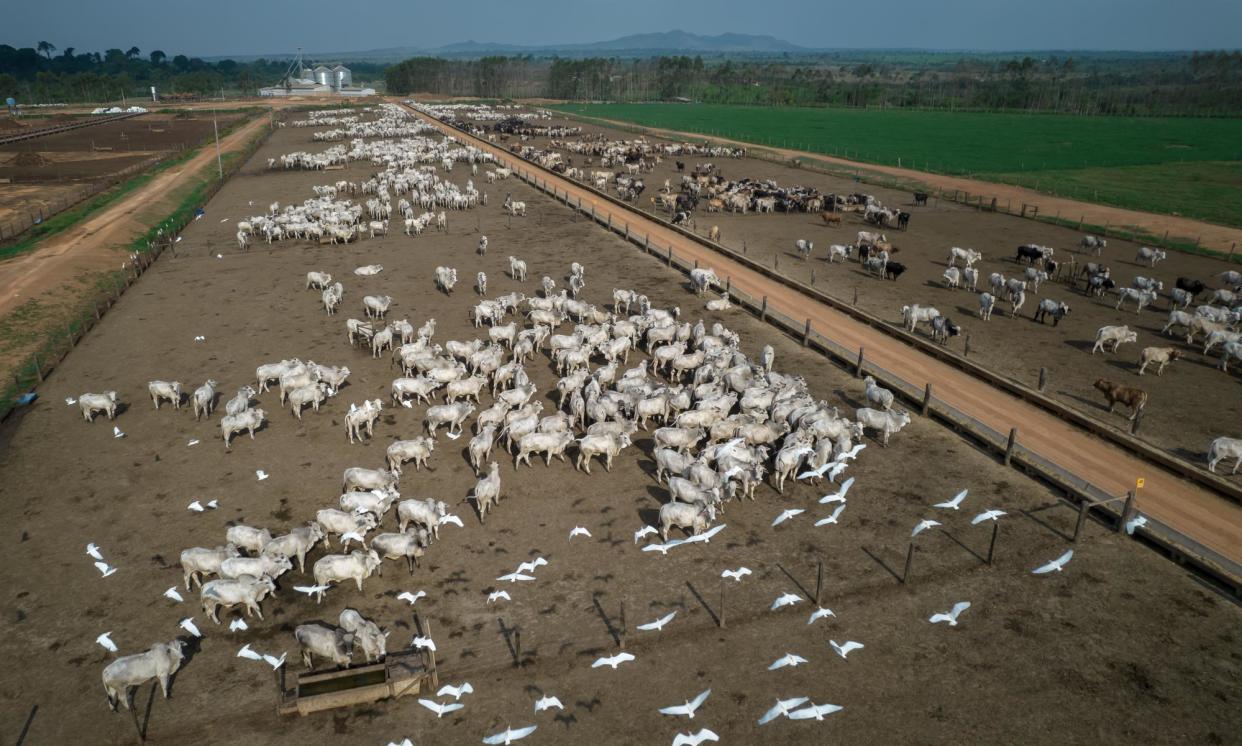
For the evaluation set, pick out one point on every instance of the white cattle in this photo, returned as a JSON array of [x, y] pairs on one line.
[[247, 591], [1112, 335], [886, 423], [333, 568], [123, 675], [92, 403], [1222, 449]]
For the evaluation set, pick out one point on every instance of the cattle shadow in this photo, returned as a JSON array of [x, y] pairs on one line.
[[1093, 403], [1125, 366], [1083, 345]]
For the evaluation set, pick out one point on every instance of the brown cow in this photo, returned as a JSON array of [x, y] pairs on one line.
[[714, 233], [1116, 394], [831, 219]]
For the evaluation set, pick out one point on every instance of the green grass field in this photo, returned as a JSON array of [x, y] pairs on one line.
[[1189, 167]]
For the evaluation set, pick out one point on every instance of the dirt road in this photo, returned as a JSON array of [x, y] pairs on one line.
[[1194, 512], [90, 244], [1214, 236]]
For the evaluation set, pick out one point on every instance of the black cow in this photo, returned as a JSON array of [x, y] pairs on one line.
[[920, 198], [893, 270], [1194, 287], [1030, 252], [903, 220], [680, 166], [943, 328]]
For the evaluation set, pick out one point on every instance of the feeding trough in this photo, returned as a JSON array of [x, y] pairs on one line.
[[399, 675]]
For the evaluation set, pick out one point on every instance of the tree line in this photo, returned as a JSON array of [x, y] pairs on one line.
[[1198, 84], [45, 74]]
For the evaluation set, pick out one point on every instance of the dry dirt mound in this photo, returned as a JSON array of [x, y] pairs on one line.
[[30, 159]]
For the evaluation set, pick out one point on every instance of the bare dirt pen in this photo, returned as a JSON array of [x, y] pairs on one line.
[[1192, 403], [1120, 648]]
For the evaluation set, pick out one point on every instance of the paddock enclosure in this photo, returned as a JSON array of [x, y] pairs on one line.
[[1121, 646]]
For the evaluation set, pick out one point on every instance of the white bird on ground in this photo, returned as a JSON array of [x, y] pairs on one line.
[[195, 506], [311, 590], [788, 599], [179, 237], [410, 598], [689, 707], [547, 702], [424, 643], [238, 624], [613, 661], [106, 642], [786, 515], [224, 220], [706, 536], [952, 615], [955, 503], [455, 691], [451, 436], [273, 661], [70, 401], [104, 568], [200, 338], [788, 660], [845, 648], [261, 474], [922, 526], [439, 709], [532, 565], [514, 577], [450, 518], [579, 531], [193, 442], [737, 574], [782, 708], [1056, 564], [657, 624], [852, 453], [836, 515], [644, 531], [814, 712], [188, 625], [173, 594], [509, 736], [116, 432], [839, 495], [407, 404], [1134, 523], [93, 551], [820, 613], [497, 596], [349, 536], [404, 742], [247, 653], [219, 256], [987, 515], [694, 739]]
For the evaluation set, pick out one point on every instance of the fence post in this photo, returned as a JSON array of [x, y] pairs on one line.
[[1043, 379], [1136, 421], [729, 284], [856, 296], [806, 333], [862, 353], [819, 581], [763, 310], [670, 255], [966, 349], [1013, 439], [776, 261], [812, 278], [927, 397], [1083, 508]]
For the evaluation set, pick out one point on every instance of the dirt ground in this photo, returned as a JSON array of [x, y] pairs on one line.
[[1121, 631], [1178, 418]]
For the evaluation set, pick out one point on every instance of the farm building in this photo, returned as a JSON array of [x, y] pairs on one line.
[[320, 80]]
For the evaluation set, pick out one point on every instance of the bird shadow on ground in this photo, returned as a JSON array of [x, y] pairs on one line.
[[801, 588], [882, 564], [695, 592]]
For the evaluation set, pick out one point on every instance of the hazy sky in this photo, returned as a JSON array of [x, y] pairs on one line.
[[223, 27]]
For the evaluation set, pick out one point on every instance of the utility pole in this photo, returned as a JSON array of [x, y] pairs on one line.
[[215, 128]]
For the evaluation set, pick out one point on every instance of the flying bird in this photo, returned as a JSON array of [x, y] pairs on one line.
[[955, 503], [1056, 564], [689, 707], [219, 256], [173, 594], [547, 702], [737, 574], [188, 625], [93, 551], [781, 708], [410, 598], [404, 742], [839, 495], [238, 624], [837, 468], [852, 453], [694, 739], [311, 590], [439, 709], [613, 661], [106, 642], [922, 526], [514, 577], [450, 518], [455, 691], [663, 548], [200, 338], [817, 472], [105, 569], [179, 237], [836, 515], [275, 662], [1134, 523], [950, 616], [820, 613], [261, 474], [657, 624], [116, 432], [706, 536], [70, 401], [788, 599], [424, 643], [788, 660], [497, 596], [988, 515], [786, 515], [644, 531], [532, 565], [814, 712], [579, 531], [845, 648], [509, 736], [247, 653], [193, 442]]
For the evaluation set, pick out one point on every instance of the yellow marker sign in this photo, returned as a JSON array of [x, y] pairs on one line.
[[1139, 484]]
